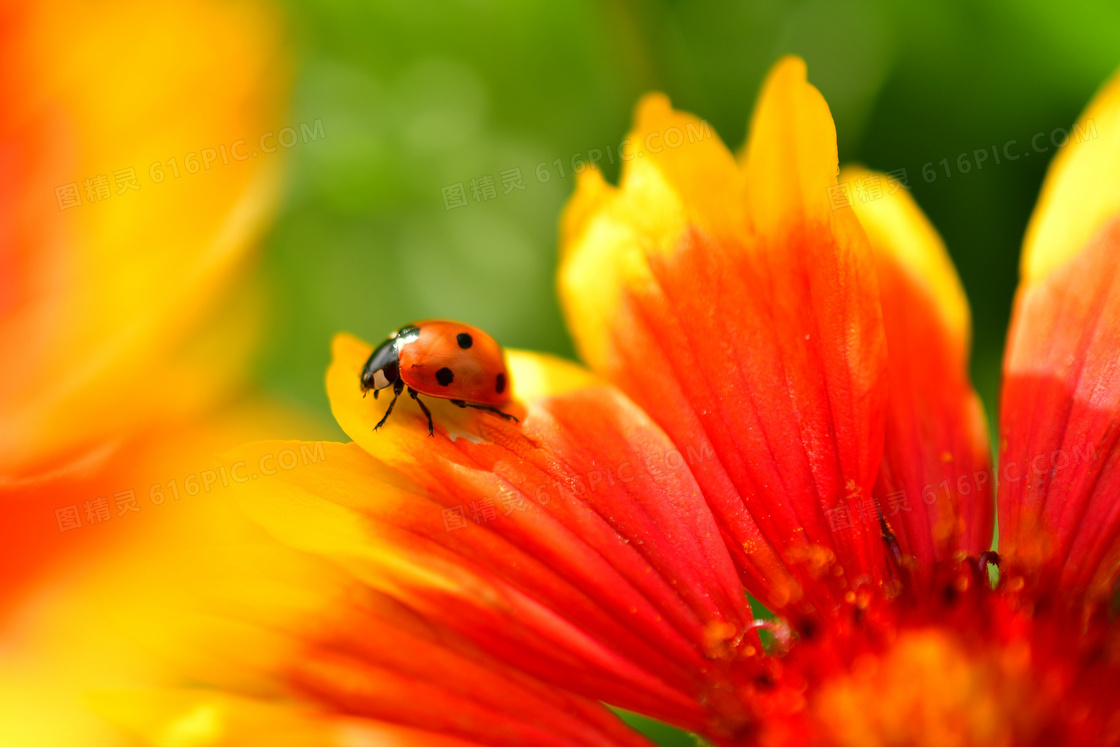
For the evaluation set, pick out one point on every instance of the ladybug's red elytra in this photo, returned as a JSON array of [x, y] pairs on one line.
[[444, 359]]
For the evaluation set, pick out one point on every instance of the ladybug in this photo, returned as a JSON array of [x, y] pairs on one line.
[[444, 359]]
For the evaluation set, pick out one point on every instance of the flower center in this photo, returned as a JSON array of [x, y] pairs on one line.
[[955, 663], [928, 689]]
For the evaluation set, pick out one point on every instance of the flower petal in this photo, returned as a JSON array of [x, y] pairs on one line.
[[1059, 496], [1059, 492], [211, 719], [289, 641], [790, 157], [574, 545], [935, 484], [1081, 192], [758, 337], [59, 590], [665, 190]]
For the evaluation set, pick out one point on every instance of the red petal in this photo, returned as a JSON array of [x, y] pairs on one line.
[[935, 484], [761, 340], [600, 568]]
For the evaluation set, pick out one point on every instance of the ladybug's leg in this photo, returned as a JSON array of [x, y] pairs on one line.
[[485, 408], [416, 396], [496, 411], [398, 387]]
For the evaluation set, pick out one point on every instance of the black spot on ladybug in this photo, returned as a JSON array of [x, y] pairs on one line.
[[444, 376], [500, 385], [464, 339]]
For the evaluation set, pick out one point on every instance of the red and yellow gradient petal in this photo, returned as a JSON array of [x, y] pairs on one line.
[[277, 640], [935, 484], [1059, 497], [741, 312], [574, 546]]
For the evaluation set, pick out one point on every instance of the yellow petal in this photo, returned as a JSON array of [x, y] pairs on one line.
[[66, 598], [109, 295], [1082, 188], [790, 159], [895, 225], [677, 173], [202, 718]]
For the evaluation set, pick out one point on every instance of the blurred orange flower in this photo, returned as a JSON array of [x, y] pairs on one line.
[[780, 405]]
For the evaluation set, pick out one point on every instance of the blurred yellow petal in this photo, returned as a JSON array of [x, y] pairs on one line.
[[109, 293], [201, 718], [126, 321], [1081, 193], [117, 325], [268, 636], [66, 597]]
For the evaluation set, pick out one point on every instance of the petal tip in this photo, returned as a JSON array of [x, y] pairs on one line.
[[651, 107], [790, 157], [790, 67], [590, 194], [1081, 192], [343, 344], [897, 228]]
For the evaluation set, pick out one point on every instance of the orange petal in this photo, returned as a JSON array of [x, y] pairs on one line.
[[758, 337], [935, 484]]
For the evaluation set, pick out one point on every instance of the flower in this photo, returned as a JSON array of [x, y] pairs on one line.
[[778, 403]]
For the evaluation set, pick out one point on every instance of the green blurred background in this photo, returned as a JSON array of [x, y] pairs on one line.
[[415, 97]]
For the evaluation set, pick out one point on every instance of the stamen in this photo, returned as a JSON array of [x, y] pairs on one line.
[[777, 628], [987, 558], [890, 540]]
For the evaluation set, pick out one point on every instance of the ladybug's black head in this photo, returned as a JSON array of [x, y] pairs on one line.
[[382, 369], [367, 381]]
